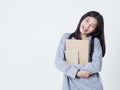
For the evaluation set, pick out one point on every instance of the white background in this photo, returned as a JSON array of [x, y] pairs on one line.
[[30, 31]]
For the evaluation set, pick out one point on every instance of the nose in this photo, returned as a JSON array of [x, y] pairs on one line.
[[87, 26]]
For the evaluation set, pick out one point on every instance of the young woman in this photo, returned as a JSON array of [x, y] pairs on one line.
[[84, 76]]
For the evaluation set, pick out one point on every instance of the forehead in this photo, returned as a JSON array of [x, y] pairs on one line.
[[92, 20]]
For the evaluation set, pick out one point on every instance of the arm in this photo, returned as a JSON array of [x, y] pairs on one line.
[[83, 74], [60, 62], [96, 64]]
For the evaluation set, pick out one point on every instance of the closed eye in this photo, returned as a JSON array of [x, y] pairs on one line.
[[87, 20]]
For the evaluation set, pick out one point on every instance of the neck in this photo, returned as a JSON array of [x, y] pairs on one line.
[[84, 36]]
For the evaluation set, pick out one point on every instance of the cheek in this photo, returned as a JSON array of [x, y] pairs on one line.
[[83, 23], [92, 29], [81, 26]]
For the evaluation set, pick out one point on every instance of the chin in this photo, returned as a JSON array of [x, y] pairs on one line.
[[83, 32]]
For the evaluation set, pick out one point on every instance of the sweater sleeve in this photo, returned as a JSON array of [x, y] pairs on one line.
[[60, 62], [96, 64]]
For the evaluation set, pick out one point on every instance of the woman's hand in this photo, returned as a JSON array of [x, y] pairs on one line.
[[83, 74]]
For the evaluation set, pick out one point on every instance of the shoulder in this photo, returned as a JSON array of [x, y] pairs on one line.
[[65, 35], [63, 38], [97, 42]]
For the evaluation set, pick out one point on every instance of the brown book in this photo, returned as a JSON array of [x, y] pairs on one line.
[[71, 56], [77, 46]]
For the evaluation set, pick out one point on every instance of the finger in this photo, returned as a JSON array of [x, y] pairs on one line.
[[90, 73]]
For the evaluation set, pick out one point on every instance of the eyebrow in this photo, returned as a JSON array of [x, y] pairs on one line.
[[94, 24], [87, 18]]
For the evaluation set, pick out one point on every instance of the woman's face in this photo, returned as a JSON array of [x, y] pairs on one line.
[[88, 25]]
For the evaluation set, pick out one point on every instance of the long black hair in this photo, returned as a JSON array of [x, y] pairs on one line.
[[99, 32]]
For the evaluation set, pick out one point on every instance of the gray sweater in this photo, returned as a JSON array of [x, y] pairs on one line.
[[70, 82]]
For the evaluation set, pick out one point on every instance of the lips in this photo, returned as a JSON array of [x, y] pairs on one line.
[[85, 30]]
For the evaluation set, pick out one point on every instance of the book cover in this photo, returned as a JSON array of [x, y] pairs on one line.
[[82, 46], [71, 56]]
